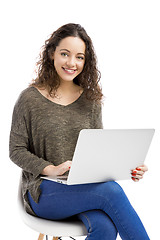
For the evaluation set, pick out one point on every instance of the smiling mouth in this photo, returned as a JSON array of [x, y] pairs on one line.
[[70, 71]]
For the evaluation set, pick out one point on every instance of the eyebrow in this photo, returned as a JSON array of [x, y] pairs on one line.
[[69, 51]]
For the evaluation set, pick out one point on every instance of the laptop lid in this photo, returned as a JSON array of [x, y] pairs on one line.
[[104, 155]]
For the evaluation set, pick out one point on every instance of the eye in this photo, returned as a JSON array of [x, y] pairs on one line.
[[64, 54], [80, 58]]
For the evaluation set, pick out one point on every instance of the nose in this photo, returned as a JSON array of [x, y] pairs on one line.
[[71, 62]]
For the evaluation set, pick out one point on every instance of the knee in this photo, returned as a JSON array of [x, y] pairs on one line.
[[113, 189]]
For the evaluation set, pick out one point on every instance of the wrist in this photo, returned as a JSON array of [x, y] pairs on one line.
[[49, 170]]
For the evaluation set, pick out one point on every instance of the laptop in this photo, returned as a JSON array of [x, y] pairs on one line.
[[106, 155]]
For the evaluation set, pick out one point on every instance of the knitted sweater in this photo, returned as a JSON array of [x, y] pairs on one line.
[[45, 133]]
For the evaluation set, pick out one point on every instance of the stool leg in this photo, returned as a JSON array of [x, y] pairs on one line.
[[55, 238], [41, 236]]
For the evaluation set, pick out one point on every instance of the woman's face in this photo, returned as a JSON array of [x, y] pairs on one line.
[[69, 58]]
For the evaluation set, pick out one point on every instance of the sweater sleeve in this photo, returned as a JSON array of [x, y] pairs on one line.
[[19, 142], [97, 116]]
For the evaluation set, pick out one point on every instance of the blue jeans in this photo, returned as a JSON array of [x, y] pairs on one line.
[[103, 207]]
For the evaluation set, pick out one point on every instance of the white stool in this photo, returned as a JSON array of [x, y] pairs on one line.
[[57, 229]]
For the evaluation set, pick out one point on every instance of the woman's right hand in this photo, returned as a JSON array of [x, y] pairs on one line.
[[51, 170]]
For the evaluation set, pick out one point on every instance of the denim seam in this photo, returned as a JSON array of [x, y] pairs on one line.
[[90, 226], [114, 214], [118, 220]]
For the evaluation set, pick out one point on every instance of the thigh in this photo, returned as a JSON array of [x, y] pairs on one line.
[[99, 225], [59, 201]]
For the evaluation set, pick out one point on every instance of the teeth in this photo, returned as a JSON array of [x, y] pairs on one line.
[[69, 70]]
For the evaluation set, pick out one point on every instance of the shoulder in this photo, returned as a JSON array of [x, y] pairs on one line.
[[97, 105], [90, 100], [92, 106], [27, 94], [25, 99], [97, 108]]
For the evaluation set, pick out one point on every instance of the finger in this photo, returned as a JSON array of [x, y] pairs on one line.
[[69, 165], [138, 172], [143, 168], [64, 167], [68, 161], [135, 179], [137, 176]]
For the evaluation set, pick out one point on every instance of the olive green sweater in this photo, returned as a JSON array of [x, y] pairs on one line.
[[45, 133]]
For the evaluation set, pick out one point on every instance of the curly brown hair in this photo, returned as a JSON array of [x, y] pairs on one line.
[[88, 79]]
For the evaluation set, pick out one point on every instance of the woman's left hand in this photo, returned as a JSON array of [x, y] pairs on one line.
[[138, 173]]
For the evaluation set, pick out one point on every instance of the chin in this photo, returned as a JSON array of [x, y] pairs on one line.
[[67, 78]]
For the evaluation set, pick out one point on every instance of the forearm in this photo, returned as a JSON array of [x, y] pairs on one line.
[[29, 162], [22, 157]]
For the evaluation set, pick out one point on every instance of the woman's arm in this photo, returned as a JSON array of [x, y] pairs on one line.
[[29, 162], [19, 150], [21, 156], [97, 116], [21, 141]]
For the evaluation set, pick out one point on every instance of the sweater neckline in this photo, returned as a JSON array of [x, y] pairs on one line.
[[57, 104]]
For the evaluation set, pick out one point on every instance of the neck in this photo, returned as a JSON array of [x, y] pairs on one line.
[[66, 87]]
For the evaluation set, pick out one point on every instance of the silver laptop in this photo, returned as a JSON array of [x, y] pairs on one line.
[[105, 155]]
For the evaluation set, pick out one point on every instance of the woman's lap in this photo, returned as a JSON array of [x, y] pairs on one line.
[[57, 202], [60, 201]]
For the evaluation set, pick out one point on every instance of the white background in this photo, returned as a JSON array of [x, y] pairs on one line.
[[126, 36]]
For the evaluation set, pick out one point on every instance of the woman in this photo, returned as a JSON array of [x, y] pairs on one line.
[[48, 116]]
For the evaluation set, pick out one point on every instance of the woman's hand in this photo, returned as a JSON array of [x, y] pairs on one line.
[[54, 171], [138, 173], [63, 167]]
